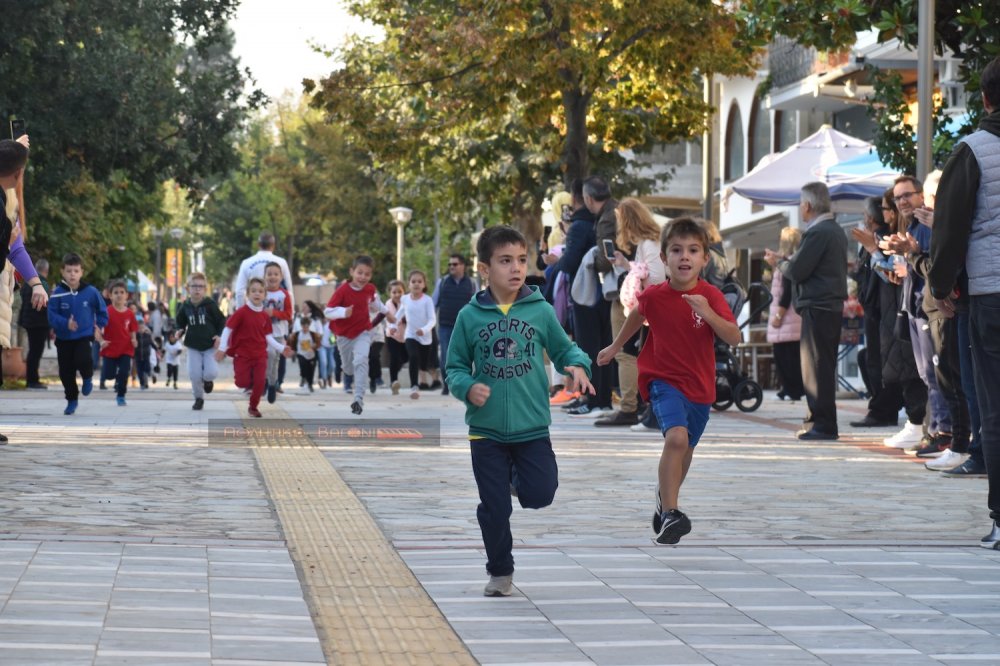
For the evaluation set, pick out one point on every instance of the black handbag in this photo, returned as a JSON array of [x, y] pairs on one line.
[[901, 329]]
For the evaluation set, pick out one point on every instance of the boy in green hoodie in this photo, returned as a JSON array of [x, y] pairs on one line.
[[495, 365], [201, 322]]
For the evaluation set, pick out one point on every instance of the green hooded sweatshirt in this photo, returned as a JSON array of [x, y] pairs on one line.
[[505, 353]]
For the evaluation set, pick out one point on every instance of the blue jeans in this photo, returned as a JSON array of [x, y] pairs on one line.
[[969, 385], [923, 354], [531, 468], [119, 369], [444, 338], [984, 334], [325, 356]]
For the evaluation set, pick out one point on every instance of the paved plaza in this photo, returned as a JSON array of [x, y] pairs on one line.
[[132, 536]]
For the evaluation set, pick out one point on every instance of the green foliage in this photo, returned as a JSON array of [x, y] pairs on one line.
[[117, 97], [495, 102], [970, 30], [302, 181]]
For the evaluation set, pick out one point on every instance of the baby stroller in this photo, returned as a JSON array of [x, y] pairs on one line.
[[732, 385]]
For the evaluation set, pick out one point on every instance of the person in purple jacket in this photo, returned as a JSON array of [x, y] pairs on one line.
[[13, 159]]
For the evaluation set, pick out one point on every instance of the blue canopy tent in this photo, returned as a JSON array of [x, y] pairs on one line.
[[861, 176]]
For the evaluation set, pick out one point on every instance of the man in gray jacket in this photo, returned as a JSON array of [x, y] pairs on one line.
[[818, 271], [966, 235]]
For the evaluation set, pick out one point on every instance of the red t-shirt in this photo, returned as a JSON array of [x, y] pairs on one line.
[[118, 332], [360, 320], [249, 333], [680, 348]]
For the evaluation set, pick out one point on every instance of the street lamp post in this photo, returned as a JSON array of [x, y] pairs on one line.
[[198, 260], [158, 235], [400, 216], [177, 233]]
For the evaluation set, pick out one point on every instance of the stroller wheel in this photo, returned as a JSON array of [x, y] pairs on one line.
[[748, 395], [723, 392]]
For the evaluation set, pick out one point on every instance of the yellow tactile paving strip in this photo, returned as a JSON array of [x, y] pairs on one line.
[[367, 605]]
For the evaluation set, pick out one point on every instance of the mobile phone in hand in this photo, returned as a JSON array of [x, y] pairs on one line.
[[609, 248], [17, 128]]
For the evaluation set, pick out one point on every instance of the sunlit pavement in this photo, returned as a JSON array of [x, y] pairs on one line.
[[131, 536]]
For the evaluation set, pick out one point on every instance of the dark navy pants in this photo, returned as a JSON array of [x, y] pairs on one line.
[[118, 369], [984, 333], [531, 468]]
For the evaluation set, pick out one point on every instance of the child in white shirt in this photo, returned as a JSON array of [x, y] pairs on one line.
[[418, 309]]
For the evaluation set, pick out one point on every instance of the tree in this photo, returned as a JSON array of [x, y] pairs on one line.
[[301, 180], [118, 97], [618, 74], [970, 30]]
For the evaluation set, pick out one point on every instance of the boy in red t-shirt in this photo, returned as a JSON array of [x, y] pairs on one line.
[[120, 339], [350, 313], [246, 338], [677, 361]]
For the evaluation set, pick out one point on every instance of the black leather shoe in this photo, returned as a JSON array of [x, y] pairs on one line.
[[619, 418], [814, 434], [992, 540], [871, 422]]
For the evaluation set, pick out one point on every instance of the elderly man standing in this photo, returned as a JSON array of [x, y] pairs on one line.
[[818, 271], [254, 267], [967, 236]]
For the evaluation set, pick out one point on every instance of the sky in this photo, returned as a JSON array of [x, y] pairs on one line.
[[272, 39]]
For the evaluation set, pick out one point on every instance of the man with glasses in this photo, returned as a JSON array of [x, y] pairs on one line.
[[201, 322], [908, 193], [451, 294]]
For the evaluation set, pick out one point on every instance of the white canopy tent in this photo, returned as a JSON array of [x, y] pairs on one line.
[[778, 179]]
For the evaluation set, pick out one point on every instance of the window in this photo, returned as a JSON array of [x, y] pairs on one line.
[[735, 153], [760, 133], [784, 130]]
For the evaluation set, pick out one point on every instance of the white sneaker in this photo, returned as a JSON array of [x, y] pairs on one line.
[[585, 412], [499, 586], [906, 438], [642, 427], [947, 460]]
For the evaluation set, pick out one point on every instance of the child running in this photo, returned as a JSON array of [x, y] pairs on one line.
[[278, 305], [201, 321], [246, 338], [677, 362], [77, 313], [349, 311], [496, 366], [418, 310], [306, 340], [395, 337], [173, 349], [120, 339]]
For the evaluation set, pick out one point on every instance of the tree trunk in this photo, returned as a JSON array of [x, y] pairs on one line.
[[575, 104]]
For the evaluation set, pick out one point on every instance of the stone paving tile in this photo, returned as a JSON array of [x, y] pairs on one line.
[[266, 647], [57, 654], [156, 618]]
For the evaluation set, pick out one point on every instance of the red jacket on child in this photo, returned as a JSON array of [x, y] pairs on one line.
[[360, 320], [249, 333]]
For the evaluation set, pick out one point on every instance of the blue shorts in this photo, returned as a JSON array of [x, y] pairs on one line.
[[673, 409]]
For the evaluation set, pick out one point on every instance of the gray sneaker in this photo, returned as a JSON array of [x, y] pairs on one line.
[[499, 586]]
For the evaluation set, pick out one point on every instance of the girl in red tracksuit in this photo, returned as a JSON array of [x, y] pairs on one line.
[[247, 336]]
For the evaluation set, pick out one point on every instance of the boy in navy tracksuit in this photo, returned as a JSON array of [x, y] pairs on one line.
[[77, 313]]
